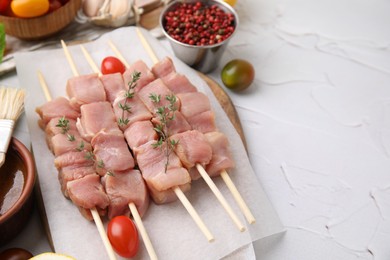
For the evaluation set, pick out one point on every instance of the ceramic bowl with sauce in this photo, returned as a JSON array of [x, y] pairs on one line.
[[17, 179]]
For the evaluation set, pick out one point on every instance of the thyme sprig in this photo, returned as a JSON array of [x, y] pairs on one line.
[[89, 155], [165, 114], [63, 123], [130, 92]]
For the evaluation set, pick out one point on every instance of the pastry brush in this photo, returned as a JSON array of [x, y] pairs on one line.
[[11, 106]]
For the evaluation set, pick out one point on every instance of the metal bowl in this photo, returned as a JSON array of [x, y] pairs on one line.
[[202, 58]]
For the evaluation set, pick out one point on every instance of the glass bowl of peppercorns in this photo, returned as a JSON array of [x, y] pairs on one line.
[[199, 31]]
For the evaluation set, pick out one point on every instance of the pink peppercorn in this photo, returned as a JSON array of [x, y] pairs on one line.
[[198, 23]]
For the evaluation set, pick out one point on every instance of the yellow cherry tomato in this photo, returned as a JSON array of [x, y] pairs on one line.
[[29, 8], [231, 2]]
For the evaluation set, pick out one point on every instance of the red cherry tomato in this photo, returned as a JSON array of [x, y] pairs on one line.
[[112, 65], [4, 5], [123, 236], [54, 5]]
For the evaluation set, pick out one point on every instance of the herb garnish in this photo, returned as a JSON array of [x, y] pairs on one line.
[[165, 114], [63, 123], [130, 92]]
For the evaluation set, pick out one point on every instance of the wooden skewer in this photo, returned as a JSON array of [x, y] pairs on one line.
[[142, 230], [179, 193], [237, 196], [94, 212], [69, 58], [118, 54], [133, 208], [220, 197], [201, 170]]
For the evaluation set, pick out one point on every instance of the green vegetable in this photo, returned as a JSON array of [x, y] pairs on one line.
[[2, 41]]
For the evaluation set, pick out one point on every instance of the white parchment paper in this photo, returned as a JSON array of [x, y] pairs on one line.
[[171, 229]]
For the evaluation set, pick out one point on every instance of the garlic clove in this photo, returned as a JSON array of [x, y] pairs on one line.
[[91, 7], [114, 13]]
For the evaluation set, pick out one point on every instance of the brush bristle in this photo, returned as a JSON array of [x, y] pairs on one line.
[[11, 103]]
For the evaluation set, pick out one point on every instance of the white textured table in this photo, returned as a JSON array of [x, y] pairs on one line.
[[317, 124]]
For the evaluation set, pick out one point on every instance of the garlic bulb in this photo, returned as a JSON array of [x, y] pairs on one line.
[[110, 13]]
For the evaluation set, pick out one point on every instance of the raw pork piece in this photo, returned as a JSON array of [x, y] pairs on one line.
[[94, 118], [146, 75], [178, 83], [221, 159], [178, 125], [152, 163], [138, 111], [85, 89], [111, 152], [192, 148], [166, 196], [52, 129], [88, 192], [139, 133], [203, 122], [71, 173], [123, 188], [55, 108], [113, 84], [78, 159], [157, 87], [163, 68], [60, 144], [193, 103]]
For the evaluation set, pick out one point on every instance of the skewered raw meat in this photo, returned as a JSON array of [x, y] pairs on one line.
[[192, 148], [58, 107], [85, 89], [111, 152], [123, 187], [221, 159], [146, 75], [203, 122], [51, 128], [163, 68], [72, 158], [88, 192], [61, 143], [137, 112], [178, 125], [193, 103], [70, 173], [95, 117], [159, 175], [178, 83], [158, 88], [139, 133], [113, 84]]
